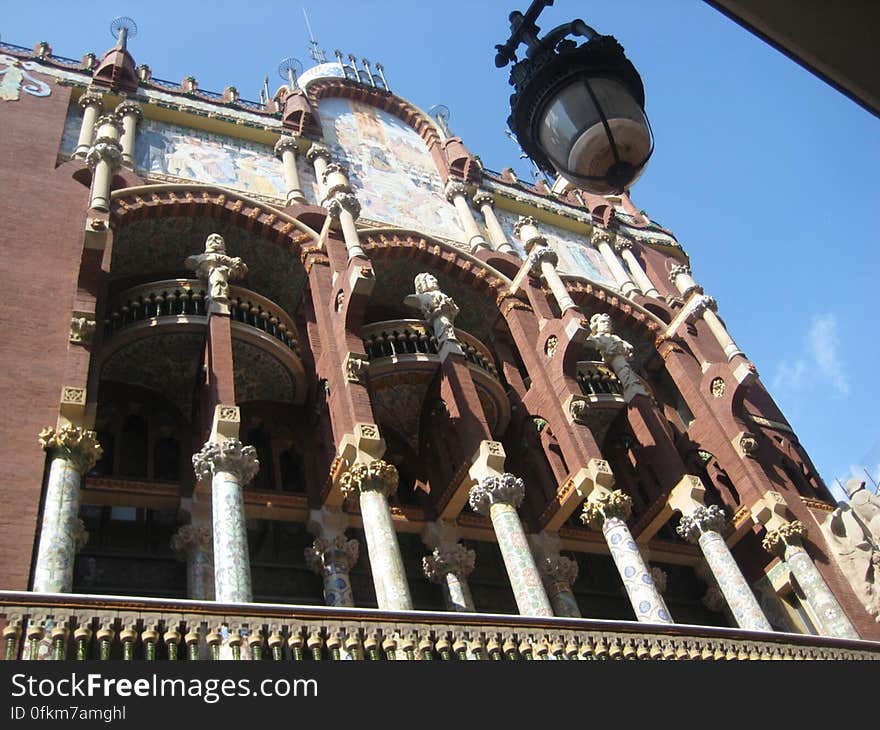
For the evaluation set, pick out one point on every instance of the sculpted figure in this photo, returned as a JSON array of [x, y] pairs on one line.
[[436, 307], [617, 353], [866, 505], [218, 268]]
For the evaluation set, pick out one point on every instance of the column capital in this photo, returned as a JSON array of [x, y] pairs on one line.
[[702, 519], [343, 200], [317, 151], [496, 489], [129, 106], [775, 541], [376, 476], [699, 304], [558, 569], [323, 552], [453, 189], [540, 255], [192, 538], [90, 98], [456, 559], [621, 243], [75, 445], [603, 504], [230, 456], [601, 235], [677, 269], [522, 222], [106, 147], [481, 198], [284, 143]]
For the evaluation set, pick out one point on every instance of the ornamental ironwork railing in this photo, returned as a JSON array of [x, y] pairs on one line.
[[184, 298], [412, 336], [68, 626]]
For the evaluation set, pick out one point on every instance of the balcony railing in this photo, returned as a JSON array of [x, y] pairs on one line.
[[71, 626], [598, 381], [412, 336], [186, 297]]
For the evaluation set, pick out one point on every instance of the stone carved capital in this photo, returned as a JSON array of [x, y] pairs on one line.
[[82, 327], [456, 559], [286, 143], [75, 445], [90, 98], [453, 189], [678, 269], [558, 569], [342, 200], [702, 519], [603, 505], [522, 222], [789, 533], [129, 107], [540, 255], [356, 368], [496, 489], [699, 304], [324, 555], [620, 244], [481, 198], [318, 151], [191, 538], [600, 235], [105, 150], [230, 456], [378, 476]]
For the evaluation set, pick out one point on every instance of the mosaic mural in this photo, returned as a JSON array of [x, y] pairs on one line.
[[576, 254], [15, 79], [394, 174]]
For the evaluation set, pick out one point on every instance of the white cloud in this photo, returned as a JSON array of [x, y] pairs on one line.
[[819, 361]]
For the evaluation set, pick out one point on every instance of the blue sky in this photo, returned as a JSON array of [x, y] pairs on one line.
[[766, 175]]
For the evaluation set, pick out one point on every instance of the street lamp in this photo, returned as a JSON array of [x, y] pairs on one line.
[[577, 110]]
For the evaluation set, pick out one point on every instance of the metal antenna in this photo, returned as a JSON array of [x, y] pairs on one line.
[[441, 113], [873, 481], [289, 69], [123, 28], [314, 51]]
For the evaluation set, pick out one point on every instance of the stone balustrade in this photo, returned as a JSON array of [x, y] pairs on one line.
[[186, 298], [412, 336], [84, 627]]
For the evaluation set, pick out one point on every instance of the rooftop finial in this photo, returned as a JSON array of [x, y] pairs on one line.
[[314, 51], [289, 69], [123, 28], [441, 114]]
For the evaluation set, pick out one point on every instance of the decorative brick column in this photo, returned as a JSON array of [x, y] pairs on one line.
[[372, 483], [497, 496], [73, 451], [286, 149], [704, 526], [104, 158], [195, 544], [333, 559], [608, 510], [92, 104], [450, 566], [456, 193], [230, 466]]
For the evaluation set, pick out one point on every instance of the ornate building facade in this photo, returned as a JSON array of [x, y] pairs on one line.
[[311, 353]]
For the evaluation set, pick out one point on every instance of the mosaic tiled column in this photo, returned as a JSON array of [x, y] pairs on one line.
[[608, 510], [195, 544], [287, 148], [230, 465], [486, 203], [73, 451], [450, 567], [456, 193], [92, 104], [104, 158], [559, 574], [787, 540], [333, 559], [497, 496], [704, 526], [602, 239], [128, 112], [623, 247], [373, 483]]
